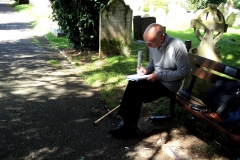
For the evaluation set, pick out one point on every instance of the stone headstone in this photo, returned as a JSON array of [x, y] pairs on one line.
[[228, 11], [228, 7], [145, 22], [136, 7], [115, 29], [230, 19], [221, 7], [151, 9], [137, 27], [161, 16], [140, 24], [208, 22], [237, 21], [176, 17], [146, 15], [57, 32]]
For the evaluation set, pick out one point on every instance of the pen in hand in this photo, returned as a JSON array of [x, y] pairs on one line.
[[141, 70]]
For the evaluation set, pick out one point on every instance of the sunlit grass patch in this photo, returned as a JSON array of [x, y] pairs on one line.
[[54, 62], [36, 42], [59, 42], [22, 8]]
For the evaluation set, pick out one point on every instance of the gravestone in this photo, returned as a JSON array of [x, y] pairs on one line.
[[115, 29], [228, 8], [229, 12], [137, 27], [145, 22], [209, 27], [58, 32], [146, 15], [136, 7], [237, 21], [221, 7], [151, 9], [210, 20], [177, 17], [230, 19], [140, 24], [161, 16]]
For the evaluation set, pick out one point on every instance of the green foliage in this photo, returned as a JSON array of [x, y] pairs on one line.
[[21, 8], [146, 8], [79, 19], [236, 4], [201, 4], [161, 4]]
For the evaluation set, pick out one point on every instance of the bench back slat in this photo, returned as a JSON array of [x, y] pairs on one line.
[[213, 65], [203, 74]]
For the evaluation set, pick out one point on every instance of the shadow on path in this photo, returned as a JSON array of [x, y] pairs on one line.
[[47, 113]]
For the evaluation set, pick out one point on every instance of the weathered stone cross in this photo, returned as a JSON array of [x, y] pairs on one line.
[[212, 21]]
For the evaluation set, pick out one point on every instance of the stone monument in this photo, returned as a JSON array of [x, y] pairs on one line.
[[209, 25], [140, 24], [210, 20], [229, 12], [161, 16], [115, 29]]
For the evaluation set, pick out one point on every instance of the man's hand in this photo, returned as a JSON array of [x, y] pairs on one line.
[[152, 77], [141, 71]]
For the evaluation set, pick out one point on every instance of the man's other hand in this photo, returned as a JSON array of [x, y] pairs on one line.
[[152, 77]]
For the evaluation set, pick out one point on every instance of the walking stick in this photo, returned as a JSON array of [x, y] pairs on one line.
[[106, 115]]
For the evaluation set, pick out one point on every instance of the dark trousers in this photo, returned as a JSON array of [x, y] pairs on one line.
[[138, 92]]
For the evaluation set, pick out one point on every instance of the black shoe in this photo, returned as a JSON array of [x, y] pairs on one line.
[[124, 131]]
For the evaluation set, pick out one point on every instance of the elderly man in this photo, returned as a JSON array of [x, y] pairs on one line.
[[168, 66]]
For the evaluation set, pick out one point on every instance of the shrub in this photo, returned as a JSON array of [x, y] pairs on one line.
[[79, 19]]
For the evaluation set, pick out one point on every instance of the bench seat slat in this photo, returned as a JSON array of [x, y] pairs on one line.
[[185, 95]]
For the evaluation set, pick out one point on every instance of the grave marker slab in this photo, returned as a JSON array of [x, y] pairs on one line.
[[115, 29]]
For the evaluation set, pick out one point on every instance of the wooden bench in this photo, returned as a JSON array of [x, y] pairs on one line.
[[200, 68]]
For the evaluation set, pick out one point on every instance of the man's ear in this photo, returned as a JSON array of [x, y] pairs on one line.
[[162, 37]]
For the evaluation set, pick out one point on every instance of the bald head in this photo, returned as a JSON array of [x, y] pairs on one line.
[[153, 31], [153, 35]]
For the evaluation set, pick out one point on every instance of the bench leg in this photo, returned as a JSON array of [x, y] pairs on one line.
[[158, 119]]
